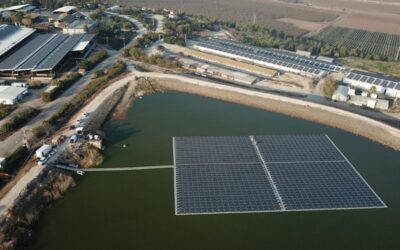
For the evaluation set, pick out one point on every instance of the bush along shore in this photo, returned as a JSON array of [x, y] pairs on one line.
[[17, 223]]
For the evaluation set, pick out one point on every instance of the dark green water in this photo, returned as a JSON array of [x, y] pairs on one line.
[[135, 210]]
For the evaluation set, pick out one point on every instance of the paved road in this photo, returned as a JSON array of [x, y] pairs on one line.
[[15, 140]]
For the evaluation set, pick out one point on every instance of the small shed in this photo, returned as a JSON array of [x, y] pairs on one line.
[[341, 93]]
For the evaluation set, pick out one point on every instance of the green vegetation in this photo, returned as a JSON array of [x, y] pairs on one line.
[[361, 43], [15, 160], [5, 110], [61, 86], [17, 121], [391, 68], [93, 60], [329, 87], [114, 31], [138, 55], [69, 108]]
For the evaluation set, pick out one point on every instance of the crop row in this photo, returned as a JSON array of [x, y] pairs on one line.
[[375, 43]]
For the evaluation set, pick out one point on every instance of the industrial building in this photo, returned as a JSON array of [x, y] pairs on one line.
[[389, 86], [65, 10], [11, 35], [23, 8], [271, 58], [10, 95], [76, 23], [40, 56]]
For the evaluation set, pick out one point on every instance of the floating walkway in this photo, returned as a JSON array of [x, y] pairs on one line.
[[113, 169]]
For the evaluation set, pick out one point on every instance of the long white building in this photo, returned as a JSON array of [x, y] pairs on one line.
[[270, 58], [389, 86]]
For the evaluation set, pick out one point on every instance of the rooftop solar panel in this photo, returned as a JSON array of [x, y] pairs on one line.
[[33, 61], [265, 173], [23, 52], [58, 54]]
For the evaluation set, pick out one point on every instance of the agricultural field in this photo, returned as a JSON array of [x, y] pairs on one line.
[[267, 12], [372, 43]]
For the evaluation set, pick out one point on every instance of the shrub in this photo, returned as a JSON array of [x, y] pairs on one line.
[[18, 120]]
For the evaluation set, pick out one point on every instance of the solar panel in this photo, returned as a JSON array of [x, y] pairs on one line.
[[288, 148], [237, 174], [321, 185], [219, 188], [225, 149]]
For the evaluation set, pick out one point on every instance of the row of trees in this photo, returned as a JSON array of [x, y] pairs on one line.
[[93, 60], [17, 121], [69, 108], [61, 86]]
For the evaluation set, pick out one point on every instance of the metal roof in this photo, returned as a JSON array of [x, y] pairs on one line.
[[376, 79], [65, 9], [286, 59], [24, 52], [11, 92], [11, 35], [42, 52]]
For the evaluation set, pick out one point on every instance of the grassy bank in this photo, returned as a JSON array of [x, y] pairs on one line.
[[391, 68]]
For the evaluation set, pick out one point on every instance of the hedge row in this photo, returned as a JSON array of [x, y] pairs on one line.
[[61, 86], [93, 60], [78, 100], [17, 121]]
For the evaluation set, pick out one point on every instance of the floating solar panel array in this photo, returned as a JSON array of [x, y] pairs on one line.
[[246, 174], [267, 57], [375, 79]]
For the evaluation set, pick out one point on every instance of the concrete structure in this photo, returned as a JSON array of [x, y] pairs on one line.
[[114, 8], [341, 93], [371, 103], [10, 95], [43, 151], [207, 70], [387, 85], [76, 23], [303, 53]]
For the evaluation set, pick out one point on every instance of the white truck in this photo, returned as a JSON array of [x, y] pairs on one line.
[[43, 151]]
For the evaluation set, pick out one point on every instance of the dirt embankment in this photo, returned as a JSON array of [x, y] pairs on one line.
[[135, 90], [332, 117], [15, 229]]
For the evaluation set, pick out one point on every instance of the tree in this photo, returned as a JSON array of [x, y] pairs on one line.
[[329, 87], [372, 90], [17, 17]]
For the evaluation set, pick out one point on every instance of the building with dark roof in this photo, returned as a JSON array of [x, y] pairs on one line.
[[43, 55]]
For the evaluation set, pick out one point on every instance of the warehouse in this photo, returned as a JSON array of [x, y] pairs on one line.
[[42, 56], [10, 95], [272, 58], [389, 86]]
